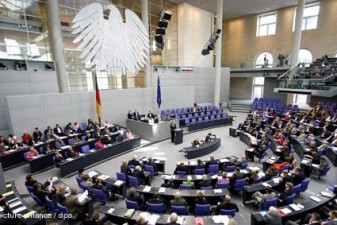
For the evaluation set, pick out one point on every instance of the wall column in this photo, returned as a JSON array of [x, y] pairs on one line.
[[297, 33], [145, 19], [56, 42], [218, 51]]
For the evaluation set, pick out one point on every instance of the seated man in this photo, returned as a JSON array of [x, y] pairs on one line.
[[227, 204], [125, 168], [58, 158], [236, 176], [180, 167], [323, 164], [150, 162], [135, 197], [259, 198], [209, 137], [134, 162], [205, 182], [139, 174], [178, 200]]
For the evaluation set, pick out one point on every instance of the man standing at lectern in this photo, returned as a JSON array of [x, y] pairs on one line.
[[173, 126]]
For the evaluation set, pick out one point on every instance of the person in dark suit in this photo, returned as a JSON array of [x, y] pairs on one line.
[[173, 126], [125, 168], [150, 114], [139, 174], [173, 219], [236, 175], [298, 176], [30, 181], [200, 165], [39, 192], [58, 130], [37, 134], [332, 218], [130, 115], [180, 167], [209, 137], [150, 162], [169, 184], [178, 201], [200, 200], [134, 162], [287, 192], [205, 182], [136, 115], [310, 219], [156, 199], [227, 204], [135, 197]]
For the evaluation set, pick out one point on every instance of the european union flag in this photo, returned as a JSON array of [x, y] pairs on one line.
[[158, 93]]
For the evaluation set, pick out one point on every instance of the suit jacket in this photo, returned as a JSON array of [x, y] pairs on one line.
[[285, 194], [134, 162], [298, 178], [205, 183], [126, 170], [135, 198], [180, 202], [227, 206], [273, 219], [140, 176]]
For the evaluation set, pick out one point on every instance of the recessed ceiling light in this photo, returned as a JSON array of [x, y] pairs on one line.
[[268, 8]]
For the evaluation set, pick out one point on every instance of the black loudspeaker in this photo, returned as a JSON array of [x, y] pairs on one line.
[[160, 45], [160, 30], [210, 45], [159, 38], [165, 15], [162, 24]]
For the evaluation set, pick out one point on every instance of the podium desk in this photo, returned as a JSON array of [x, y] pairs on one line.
[[178, 136], [203, 149]]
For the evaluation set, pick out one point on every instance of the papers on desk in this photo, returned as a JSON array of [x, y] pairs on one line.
[[250, 149], [276, 180], [305, 161], [14, 204], [230, 174], [65, 147], [8, 185], [166, 177], [162, 190], [111, 210], [198, 177], [327, 193], [147, 189], [244, 171], [129, 213], [81, 154], [314, 198], [145, 159], [215, 176], [270, 161], [273, 157], [12, 200], [103, 177], [20, 209], [254, 168], [217, 191], [151, 218], [1, 209], [92, 173], [266, 184], [28, 214], [118, 183], [92, 150], [69, 159], [220, 219], [157, 161], [315, 165], [263, 213], [193, 163], [296, 207], [224, 160], [285, 211], [8, 193], [83, 196], [179, 221]]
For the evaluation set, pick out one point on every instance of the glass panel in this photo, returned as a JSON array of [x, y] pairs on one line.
[[268, 19], [258, 80], [271, 29], [311, 23], [258, 92], [311, 11], [300, 99], [263, 30], [265, 59], [305, 56]]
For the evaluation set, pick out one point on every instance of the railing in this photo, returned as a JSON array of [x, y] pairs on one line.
[[315, 84], [253, 65], [292, 71]]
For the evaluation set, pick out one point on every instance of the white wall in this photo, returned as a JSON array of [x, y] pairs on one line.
[[202, 79], [23, 82], [48, 109], [194, 30]]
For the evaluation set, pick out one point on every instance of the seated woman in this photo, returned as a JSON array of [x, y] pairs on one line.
[[128, 134], [200, 200], [196, 143], [287, 192], [71, 153], [99, 145], [253, 177], [223, 178]]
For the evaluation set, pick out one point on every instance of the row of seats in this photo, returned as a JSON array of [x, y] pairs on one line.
[[166, 112]]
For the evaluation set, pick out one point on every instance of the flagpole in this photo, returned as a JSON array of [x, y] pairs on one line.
[[98, 99]]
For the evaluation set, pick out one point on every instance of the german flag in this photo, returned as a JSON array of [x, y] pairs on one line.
[[98, 101]]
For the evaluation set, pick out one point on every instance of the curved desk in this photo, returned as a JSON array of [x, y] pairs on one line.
[[204, 149], [16, 205], [117, 216]]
